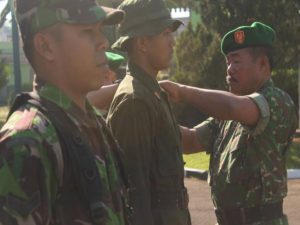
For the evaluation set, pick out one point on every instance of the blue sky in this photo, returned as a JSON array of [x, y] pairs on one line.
[[2, 4]]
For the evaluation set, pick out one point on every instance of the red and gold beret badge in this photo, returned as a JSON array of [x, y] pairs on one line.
[[239, 37]]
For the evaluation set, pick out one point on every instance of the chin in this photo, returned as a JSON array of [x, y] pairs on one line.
[[164, 67], [96, 86], [233, 91]]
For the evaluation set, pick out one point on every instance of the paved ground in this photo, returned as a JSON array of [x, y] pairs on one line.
[[201, 207]]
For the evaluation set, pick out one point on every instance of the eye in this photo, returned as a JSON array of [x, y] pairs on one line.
[[88, 30], [168, 33]]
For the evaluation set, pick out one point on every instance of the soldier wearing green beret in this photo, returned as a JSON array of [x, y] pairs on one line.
[[58, 161], [114, 62], [248, 133], [142, 120], [102, 97]]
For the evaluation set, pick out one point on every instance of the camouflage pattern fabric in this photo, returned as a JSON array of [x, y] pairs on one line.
[[37, 186], [35, 15], [248, 165], [280, 221]]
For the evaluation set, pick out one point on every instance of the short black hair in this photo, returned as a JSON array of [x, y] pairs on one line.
[[27, 39], [268, 51], [28, 48], [28, 43]]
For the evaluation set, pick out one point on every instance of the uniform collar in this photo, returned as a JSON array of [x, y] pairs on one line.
[[145, 78], [268, 83], [54, 94]]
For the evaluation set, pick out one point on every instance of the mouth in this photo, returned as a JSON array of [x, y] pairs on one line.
[[103, 65], [230, 80]]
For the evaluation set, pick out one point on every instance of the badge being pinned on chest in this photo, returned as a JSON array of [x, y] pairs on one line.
[[239, 37]]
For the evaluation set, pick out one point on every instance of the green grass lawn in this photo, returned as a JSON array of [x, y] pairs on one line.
[[197, 161], [200, 160], [293, 159]]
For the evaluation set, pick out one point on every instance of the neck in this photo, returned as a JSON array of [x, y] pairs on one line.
[[262, 82], [78, 97], [144, 64]]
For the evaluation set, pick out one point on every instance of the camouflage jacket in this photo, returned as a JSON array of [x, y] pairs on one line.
[[143, 123], [248, 165], [37, 185]]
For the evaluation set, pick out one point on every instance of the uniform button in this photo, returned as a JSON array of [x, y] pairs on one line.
[[77, 140]]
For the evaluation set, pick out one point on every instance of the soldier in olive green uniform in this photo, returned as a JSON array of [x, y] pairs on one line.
[[102, 97], [248, 134], [142, 120], [58, 162]]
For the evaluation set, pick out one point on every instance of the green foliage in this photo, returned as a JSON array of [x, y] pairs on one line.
[[169, 3], [4, 73], [199, 61], [293, 156], [3, 114]]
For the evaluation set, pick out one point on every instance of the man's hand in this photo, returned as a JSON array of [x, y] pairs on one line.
[[173, 89]]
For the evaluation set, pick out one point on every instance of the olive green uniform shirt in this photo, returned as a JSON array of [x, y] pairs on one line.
[[143, 123]]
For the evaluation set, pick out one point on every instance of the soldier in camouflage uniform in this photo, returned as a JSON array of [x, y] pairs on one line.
[[248, 134], [142, 120], [58, 162]]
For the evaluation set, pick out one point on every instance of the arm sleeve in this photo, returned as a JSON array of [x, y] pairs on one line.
[[26, 189], [131, 124], [205, 133], [264, 110]]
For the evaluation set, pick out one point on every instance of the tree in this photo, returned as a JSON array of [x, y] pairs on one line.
[[199, 61], [4, 73]]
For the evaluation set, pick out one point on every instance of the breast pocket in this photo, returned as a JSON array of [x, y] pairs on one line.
[[237, 160]]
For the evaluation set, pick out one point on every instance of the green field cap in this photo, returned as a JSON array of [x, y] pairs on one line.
[[143, 18], [258, 34], [114, 60], [35, 15]]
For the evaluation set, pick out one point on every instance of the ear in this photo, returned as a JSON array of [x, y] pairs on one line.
[[44, 46], [264, 64], [142, 44]]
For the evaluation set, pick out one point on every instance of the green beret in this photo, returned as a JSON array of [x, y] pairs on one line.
[[33, 15], [258, 34], [143, 18], [114, 60]]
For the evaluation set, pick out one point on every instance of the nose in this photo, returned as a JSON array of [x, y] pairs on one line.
[[102, 43], [230, 68], [172, 39]]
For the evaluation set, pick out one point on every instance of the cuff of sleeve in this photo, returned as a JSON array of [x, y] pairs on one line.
[[264, 109], [204, 134]]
